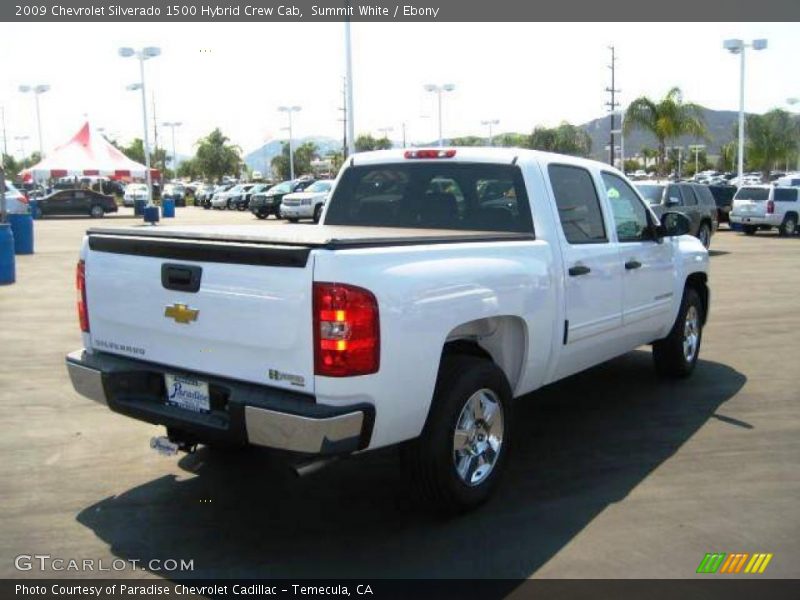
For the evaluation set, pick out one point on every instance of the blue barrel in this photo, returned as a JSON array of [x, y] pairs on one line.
[[36, 212], [151, 214], [22, 228], [7, 271], [138, 207], [168, 208]]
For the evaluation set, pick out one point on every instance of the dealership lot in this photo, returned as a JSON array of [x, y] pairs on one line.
[[615, 474]]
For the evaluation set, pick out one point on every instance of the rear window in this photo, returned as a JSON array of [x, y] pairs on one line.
[[435, 195], [752, 193], [785, 195], [651, 193]]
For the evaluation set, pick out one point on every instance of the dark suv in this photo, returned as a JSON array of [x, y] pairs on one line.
[[723, 196], [266, 203], [692, 199]]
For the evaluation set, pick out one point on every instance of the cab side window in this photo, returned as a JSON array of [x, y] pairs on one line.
[[578, 204], [630, 215], [689, 199]]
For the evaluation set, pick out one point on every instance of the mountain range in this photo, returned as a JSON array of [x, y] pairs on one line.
[[720, 124]]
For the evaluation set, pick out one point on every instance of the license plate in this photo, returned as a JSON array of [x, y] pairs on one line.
[[187, 393]]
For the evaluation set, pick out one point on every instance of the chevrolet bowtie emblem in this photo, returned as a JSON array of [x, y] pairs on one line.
[[181, 313]]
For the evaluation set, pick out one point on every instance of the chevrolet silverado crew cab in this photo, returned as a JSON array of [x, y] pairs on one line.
[[441, 287]]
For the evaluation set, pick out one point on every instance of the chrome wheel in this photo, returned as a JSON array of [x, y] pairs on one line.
[[691, 333], [478, 437], [790, 225]]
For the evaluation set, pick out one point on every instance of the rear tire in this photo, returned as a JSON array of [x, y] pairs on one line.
[[96, 211], [261, 216], [704, 235], [293, 220], [459, 458], [676, 355], [789, 225], [749, 229]]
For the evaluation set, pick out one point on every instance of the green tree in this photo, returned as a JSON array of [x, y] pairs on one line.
[[303, 155], [771, 141], [470, 140], [135, 151], [512, 140], [666, 119], [365, 143], [564, 139], [216, 157]]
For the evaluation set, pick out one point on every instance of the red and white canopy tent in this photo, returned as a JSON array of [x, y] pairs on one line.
[[87, 154]]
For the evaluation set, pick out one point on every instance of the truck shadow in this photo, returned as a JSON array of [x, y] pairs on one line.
[[582, 444]]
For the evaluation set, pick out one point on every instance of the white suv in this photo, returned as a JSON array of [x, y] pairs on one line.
[[764, 207]]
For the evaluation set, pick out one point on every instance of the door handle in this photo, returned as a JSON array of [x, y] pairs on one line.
[[181, 278], [632, 264], [578, 270]]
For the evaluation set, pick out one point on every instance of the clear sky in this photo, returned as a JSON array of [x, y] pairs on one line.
[[234, 75]]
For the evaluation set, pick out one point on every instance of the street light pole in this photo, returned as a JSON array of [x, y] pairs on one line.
[[439, 89], [351, 113], [696, 149], [490, 123], [37, 91], [792, 102], [172, 125], [736, 46], [289, 110], [143, 55]]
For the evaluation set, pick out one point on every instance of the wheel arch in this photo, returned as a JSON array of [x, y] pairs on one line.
[[699, 282], [502, 340]]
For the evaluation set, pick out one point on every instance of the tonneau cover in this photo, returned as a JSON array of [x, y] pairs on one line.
[[311, 236]]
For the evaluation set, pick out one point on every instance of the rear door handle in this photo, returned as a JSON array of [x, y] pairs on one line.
[[632, 264], [579, 270]]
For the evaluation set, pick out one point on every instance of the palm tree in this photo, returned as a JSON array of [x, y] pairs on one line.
[[666, 120], [771, 140]]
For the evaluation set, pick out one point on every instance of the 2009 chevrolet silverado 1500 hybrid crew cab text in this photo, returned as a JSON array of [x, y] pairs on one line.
[[441, 285]]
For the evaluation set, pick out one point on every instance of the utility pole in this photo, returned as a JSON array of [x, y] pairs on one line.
[[155, 132], [404, 134], [343, 108], [5, 140], [613, 104]]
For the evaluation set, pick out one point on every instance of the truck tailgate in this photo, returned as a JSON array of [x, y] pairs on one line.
[[249, 317]]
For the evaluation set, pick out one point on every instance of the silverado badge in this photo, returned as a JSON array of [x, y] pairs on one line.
[[181, 313]]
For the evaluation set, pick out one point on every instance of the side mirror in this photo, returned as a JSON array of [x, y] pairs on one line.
[[673, 223]]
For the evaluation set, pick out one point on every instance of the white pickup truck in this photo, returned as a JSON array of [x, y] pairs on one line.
[[442, 285]]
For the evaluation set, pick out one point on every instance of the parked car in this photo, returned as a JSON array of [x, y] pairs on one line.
[[764, 207], [133, 192], [175, 191], [220, 198], [269, 202], [789, 180], [76, 202], [691, 199], [239, 196], [203, 194], [411, 316], [16, 201], [723, 197], [242, 201], [307, 204]]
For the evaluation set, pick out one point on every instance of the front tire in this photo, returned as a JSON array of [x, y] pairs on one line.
[[317, 213], [462, 452], [261, 216], [97, 211], [676, 355]]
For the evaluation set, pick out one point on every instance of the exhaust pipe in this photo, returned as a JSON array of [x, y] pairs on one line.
[[307, 468]]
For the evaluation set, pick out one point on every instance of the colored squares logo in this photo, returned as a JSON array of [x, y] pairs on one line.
[[737, 562]]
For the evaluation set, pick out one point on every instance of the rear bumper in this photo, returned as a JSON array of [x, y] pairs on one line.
[[769, 220], [241, 413]]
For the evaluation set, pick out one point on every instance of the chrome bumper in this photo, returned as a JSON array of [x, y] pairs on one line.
[[321, 430]]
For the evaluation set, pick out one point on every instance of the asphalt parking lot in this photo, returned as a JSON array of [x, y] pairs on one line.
[[615, 474]]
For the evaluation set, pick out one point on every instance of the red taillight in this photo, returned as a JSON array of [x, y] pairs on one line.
[[430, 153], [346, 331], [770, 207], [80, 286]]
